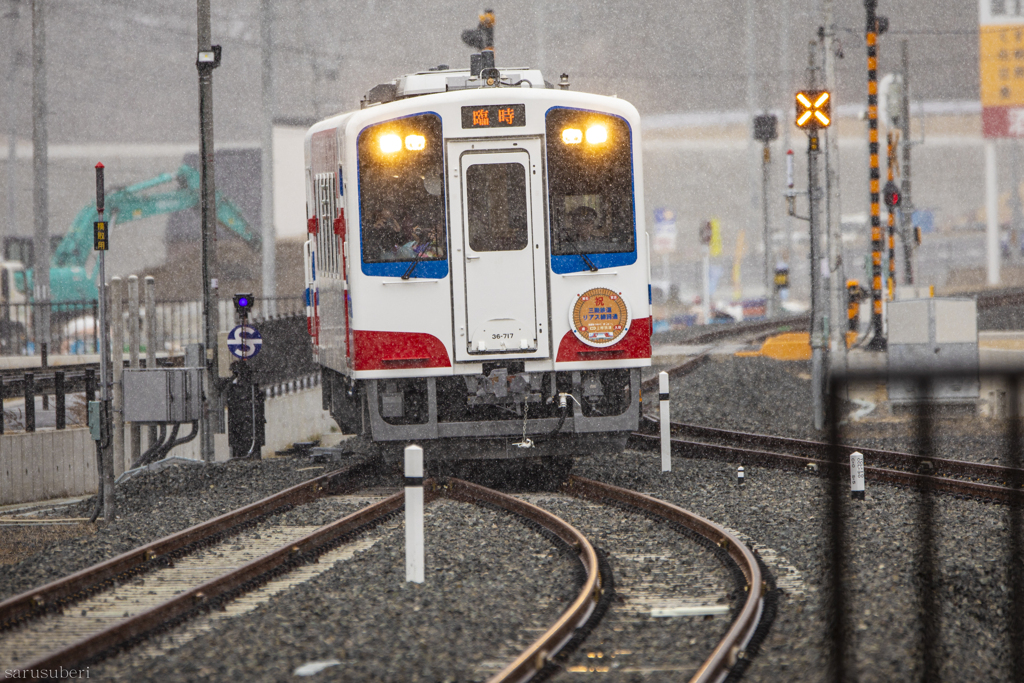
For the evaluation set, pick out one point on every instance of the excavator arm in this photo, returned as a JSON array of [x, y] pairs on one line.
[[68, 278]]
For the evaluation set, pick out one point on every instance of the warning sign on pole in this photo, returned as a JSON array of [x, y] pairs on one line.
[[1001, 55], [99, 236]]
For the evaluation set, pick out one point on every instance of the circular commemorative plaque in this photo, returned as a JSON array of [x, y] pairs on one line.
[[599, 317]]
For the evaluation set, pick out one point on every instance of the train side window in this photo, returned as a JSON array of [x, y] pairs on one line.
[[401, 193], [496, 207], [590, 183]]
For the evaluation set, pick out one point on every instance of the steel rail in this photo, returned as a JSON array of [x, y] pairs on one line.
[[536, 656], [718, 332], [209, 593], [680, 370], [819, 449], [67, 589], [707, 451], [729, 648], [214, 591]]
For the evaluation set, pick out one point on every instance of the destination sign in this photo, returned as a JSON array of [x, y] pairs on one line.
[[494, 116]]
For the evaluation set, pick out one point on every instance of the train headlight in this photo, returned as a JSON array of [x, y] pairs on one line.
[[597, 134], [415, 142], [572, 136], [390, 143]]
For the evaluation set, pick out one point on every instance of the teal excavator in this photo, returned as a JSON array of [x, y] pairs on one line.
[[69, 280]]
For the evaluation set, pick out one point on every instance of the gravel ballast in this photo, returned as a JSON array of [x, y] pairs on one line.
[[152, 506], [654, 566], [490, 580], [340, 614], [785, 512]]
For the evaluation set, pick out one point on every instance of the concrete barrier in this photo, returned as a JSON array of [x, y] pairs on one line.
[[59, 464], [43, 465]]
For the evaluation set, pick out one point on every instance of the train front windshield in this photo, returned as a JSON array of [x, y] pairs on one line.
[[590, 183], [401, 190]]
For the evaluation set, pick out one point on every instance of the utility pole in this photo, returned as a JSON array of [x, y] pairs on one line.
[[819, 303], [268, 233], [878, 342], [752, 180], [907, 204], [12, 130], [833, 212], [208, 59], [104, 432], [786, 57], [40, 180]]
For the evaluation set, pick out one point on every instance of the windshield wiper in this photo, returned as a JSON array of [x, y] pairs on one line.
[[415, 262], [590, 264]]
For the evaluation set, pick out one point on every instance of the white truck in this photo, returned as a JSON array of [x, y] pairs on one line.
[[15, 311]]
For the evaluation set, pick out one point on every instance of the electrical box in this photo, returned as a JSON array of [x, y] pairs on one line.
[[163, 395], [906, 292], [96, 420], [937, 338]]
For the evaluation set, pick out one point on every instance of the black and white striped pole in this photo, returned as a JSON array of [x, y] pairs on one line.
[[414, 563], [666, 448], [857, 475]]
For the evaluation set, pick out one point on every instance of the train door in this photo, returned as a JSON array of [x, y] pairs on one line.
[[496, 195]]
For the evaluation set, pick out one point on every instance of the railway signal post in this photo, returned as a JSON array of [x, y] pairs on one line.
[[99, 411], [873, 28], [813, 114], [765, 131], [246, 402], [907, 209]]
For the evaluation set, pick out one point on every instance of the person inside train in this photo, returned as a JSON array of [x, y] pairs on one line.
[[383, 236], [418, 239], [585, 232]]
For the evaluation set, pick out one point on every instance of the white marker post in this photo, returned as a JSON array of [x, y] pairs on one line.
[[857, 475], [414, 562], [740, 476], [666, 449]]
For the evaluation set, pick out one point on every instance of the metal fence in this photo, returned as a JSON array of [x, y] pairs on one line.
[[25, 399], [933, 575], [73, 328]]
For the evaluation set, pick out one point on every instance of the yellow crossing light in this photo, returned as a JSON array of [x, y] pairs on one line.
[[813, 109]]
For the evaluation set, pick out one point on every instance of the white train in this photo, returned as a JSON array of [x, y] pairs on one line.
[[477, 263]]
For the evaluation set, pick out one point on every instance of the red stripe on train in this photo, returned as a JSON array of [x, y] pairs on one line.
[[636, 344], [398, 350]]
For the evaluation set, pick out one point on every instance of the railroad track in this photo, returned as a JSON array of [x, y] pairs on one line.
[[986, 482], [39, 619], [77, 621], [62, 593], [660, 581]]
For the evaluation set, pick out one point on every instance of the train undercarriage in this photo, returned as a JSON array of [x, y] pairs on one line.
[[502, 413]]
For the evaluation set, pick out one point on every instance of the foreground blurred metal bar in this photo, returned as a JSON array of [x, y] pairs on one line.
[[834, 599], [926, 574], [1015, 554]]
